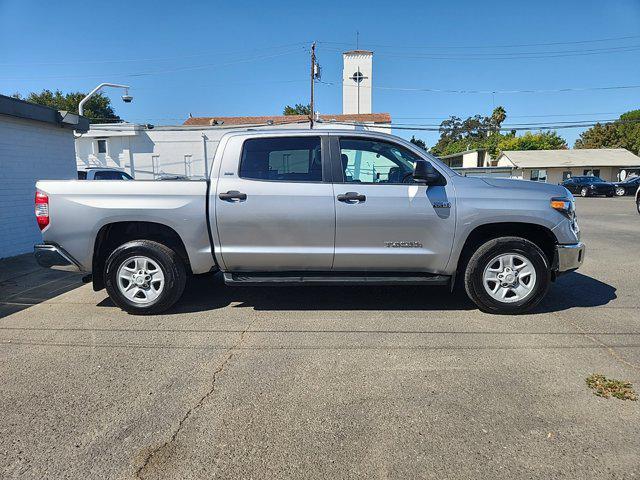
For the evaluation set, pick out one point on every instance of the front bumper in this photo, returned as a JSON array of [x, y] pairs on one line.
[[569, 257], [52, 256]]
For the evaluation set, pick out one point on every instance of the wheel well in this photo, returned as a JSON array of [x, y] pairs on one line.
[[541, 236], [112, 235]]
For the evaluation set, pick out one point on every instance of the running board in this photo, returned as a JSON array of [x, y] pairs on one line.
[[333, 278]]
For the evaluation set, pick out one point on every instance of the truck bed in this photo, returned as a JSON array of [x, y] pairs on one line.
[[78, 210]]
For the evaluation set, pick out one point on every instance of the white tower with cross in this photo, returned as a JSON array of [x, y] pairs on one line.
[[356, 81]]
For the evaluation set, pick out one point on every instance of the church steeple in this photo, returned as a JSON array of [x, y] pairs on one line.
[[356, 81]]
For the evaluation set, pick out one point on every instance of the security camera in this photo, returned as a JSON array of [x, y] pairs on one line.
[[127, 98]]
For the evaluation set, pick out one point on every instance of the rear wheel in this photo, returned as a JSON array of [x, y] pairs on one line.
[[507, 275], [620, 191], [144, 277]]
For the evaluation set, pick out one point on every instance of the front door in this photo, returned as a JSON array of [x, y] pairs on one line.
[[385, 221], [275, 212]]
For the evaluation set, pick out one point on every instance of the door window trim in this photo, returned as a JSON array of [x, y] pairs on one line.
[[324, 160]]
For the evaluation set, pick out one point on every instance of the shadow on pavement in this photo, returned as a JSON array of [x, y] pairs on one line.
[[576, 290], [208, 292], [23, 283]]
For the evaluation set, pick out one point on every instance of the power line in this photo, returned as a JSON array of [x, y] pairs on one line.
[[433, 128], [159, 72], [443, 46], [156, 59], [439, 90], [506, 56], [445, 116]]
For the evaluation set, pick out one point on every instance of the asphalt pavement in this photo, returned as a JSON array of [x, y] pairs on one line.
[[325, 382]]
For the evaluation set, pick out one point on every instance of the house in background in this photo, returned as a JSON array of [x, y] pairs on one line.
[[554, 166], [36, 143], [468, 159]]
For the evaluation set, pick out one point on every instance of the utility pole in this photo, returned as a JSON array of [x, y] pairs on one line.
[[313, 76]]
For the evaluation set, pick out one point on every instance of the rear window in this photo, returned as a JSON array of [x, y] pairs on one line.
[[111, 175], [284, 159]]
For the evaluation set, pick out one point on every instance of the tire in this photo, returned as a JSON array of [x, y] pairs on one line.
[[584, 192], [638, 205], [479, 269], [620, 191], [160, 268]]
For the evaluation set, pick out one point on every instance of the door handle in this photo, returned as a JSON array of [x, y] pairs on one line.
[[233, 195], [351, 197]]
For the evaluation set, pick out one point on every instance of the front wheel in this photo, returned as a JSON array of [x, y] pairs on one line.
[[507, 275], [144, 277], [584, 192], [620, 191]]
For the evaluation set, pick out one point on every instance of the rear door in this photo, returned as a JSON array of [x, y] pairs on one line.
[[274, 207], [385, 221]]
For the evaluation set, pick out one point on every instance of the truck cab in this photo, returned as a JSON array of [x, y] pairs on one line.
[[318, 207]]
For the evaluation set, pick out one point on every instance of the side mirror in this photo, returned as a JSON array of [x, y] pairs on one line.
[[424, 172]]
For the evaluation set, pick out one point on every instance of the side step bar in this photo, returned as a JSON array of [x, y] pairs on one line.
[[311, 278]]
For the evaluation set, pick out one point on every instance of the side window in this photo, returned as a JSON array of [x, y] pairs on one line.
[[539, 175], [373, 161], [292, 159], [102, 146]]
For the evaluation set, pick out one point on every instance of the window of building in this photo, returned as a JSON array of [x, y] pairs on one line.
[[594, 172], [102, 146], [372, 161], [566, 175], [539, 175], [455, 162], [293, 159], [481, 157]]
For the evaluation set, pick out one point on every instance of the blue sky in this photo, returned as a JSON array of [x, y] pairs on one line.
[[251, 57]]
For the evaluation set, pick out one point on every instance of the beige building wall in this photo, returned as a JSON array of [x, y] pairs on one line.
[[555, 174]]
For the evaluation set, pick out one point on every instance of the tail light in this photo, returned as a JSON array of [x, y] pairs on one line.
[[42, 210]]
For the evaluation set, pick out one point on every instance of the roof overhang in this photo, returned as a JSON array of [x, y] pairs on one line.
[[17, 108]]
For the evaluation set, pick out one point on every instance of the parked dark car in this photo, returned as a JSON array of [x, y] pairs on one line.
[[103, 174], [588, 186], [628, 187]]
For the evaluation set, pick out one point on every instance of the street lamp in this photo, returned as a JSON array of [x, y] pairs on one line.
[[126, 98]]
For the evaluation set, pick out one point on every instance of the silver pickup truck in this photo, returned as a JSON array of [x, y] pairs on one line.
[[310, 207]]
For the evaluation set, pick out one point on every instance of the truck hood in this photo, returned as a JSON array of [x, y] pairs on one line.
[[550, 189]]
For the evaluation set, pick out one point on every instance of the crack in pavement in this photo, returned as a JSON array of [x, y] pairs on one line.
[[229, 355]]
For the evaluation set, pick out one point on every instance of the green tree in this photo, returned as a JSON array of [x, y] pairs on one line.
[[297, 109], [533, 141], [457, 135], [623, 133], [478, 132], [97, 109], [418, 142]]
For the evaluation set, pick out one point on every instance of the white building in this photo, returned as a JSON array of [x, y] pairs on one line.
[[357, 73], [554, 166], [36, 142], [468, 159]]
